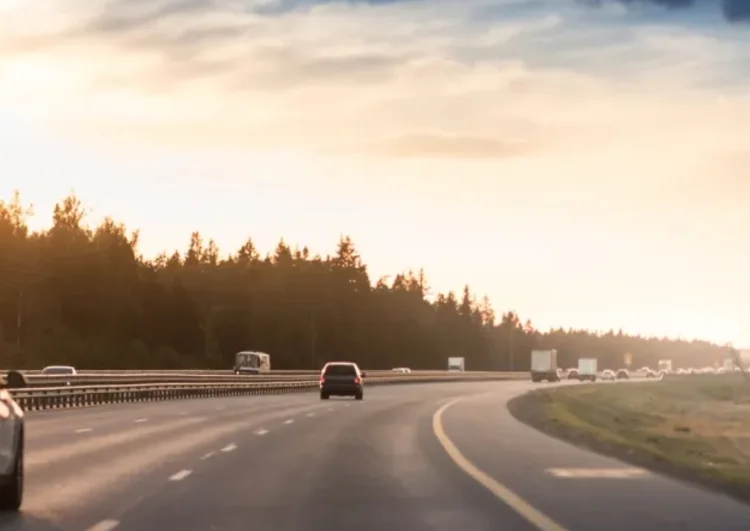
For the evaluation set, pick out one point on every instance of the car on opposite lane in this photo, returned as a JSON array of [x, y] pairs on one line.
[[341, 378], [60, 371], [11, 452]]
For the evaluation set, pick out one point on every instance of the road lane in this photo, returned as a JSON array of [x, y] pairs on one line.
[[72, 477], [51, 429], [295, 462], [65, 484], [257, 453], [580, 490], [373, 466]]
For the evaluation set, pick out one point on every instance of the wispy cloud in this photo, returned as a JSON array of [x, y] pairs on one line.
[[450, 146], [319, 75], [732, 10]]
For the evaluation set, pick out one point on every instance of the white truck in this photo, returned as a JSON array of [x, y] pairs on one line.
[[665, 366], [744, 355], [544, 366], [587, 369], [456, 364]]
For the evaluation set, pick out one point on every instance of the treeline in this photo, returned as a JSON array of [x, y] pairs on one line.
[[83, 296]]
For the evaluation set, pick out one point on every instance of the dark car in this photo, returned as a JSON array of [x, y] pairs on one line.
[[11, 453], [623, 374], [341, 378]]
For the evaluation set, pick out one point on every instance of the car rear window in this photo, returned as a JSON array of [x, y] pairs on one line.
[[340, 370]]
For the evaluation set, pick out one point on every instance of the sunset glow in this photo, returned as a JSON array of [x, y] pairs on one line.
[[584, 166]]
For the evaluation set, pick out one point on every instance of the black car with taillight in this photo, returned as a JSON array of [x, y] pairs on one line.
[[341, 378]]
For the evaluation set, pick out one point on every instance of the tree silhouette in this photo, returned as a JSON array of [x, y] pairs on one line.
[[72, 294]]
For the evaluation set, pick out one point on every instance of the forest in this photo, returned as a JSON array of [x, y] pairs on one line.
[[84, 296]]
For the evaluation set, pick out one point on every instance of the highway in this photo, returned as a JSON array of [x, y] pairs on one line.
[[423, 457]]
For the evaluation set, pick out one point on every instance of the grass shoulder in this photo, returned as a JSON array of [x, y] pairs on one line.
[[694, 428]]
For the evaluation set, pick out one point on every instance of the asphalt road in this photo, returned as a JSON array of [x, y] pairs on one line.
[[296, 463]]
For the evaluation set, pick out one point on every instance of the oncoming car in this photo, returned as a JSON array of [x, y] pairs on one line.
[[341, 378], [60, 370], [607, 375], [11, 452]]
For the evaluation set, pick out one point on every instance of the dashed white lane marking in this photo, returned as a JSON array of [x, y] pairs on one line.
[[208, 456], [311, 414], [104, 525], [598, 473], [138, 421], [288, 421], [179, 476], [261, 432], [83, 430], [229, 448]]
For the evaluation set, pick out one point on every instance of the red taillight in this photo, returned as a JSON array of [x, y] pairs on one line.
[[357, 381], [322, 380]]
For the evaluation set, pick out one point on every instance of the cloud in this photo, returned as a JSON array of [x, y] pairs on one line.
[[489, 79], [445, 146], [733, 10]]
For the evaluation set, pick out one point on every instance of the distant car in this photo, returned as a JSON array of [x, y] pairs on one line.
[[402, 370], [650, 374], [341, 378], [608, 375], [572, 374], [11, 453], [60, 370], [623, 374]]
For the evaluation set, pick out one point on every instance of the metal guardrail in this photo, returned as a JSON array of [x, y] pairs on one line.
[[31, 399], [108, 372], [37, 380]]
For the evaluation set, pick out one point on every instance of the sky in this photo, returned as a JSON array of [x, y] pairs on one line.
[[582, 163]]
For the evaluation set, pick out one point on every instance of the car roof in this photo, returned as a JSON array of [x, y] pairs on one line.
[[340, 363]]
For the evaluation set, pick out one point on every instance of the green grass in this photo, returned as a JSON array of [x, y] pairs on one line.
[[697, 423]]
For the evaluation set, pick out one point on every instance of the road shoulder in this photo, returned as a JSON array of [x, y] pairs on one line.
[[578, 489], [533, 409]]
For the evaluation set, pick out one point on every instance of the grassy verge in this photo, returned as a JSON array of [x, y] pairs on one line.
[[695, 428]]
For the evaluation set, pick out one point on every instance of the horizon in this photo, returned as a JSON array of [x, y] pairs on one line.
[[584, 165]]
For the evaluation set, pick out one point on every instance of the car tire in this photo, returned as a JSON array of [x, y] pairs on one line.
[[359, 396], [323, 396], [11, 494]]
